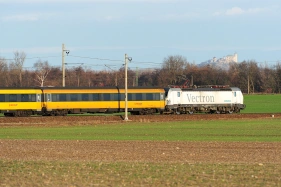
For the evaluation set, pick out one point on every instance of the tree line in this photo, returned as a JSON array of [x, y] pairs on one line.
[[249, 76]]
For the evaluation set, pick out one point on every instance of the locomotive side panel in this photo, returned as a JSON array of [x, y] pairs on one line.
[[206, 97], [208, 100]]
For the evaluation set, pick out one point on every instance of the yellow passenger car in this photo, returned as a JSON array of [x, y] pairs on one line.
[[61, 101], [20, 101]]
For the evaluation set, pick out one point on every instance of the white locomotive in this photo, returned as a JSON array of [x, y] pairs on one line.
[[208, 99]]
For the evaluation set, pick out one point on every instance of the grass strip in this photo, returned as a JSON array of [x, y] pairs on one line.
[[262, 103], [262, 130]]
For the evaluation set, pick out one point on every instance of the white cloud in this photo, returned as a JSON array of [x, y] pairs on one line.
[[170, 17], [88, 1], [240, 11], [234, 11], [21, 17], [27, 17]]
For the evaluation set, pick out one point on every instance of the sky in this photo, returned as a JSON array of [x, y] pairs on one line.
[[100, 32]]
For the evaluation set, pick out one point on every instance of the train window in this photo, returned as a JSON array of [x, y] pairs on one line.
[[2, 97], [96, 97], [55, 97], [234, 94], [149, 97], [138, 97], [85, 97], [12, 98], [130, 97], [73, 97], [106, 97], [38, 97], [122, 97], [32, 97], [24, 97], [115, 97], [62, 97], [156, 97], [179, 94], [161, 96]]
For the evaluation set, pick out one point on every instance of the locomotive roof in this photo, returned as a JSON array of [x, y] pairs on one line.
[[204, 89], [207, 89]]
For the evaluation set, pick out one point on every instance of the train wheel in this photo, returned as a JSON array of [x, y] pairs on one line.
[[190, 112], [230, 111]]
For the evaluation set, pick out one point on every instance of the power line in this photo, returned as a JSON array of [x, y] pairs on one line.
[[95, 58], [30, 58], [106, 59]]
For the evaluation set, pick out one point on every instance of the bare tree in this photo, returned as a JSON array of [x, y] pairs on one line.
[[17, 65], [278, 76], [173, 68], [3, 72], [42, 69], [268, 84]]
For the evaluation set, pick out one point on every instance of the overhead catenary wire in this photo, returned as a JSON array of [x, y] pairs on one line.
[[106, 59], [30, 58]]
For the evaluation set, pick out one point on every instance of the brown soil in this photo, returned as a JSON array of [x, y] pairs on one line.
[[135, 151], [82, 120]]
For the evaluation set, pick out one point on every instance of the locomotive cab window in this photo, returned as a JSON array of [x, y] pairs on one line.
[[179, 94], [234, 94]]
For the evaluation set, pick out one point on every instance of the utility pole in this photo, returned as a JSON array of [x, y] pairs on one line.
[[63, 67], [126, 86], [63, 64]]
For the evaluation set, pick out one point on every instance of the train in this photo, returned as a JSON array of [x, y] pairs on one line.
[[206, 99], [60, 101]]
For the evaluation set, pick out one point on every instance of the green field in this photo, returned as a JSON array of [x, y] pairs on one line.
[[64, 173], [262, 103], [222, 130], [83, 173]]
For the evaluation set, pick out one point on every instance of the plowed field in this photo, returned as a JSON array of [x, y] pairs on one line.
[[135, 151]]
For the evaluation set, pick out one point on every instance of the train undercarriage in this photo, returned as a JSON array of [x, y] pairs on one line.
[[202, 109]]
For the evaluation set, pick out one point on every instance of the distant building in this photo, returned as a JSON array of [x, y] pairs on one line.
[[221, 63]]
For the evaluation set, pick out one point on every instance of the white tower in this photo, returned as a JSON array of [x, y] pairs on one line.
[[235, 57]]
